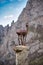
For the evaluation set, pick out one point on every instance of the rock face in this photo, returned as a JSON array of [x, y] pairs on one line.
[[1, 34], [33, 15], [32, 12]]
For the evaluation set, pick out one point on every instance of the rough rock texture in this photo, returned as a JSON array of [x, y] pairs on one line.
[[1, 34], [22, 55], [33, 15]]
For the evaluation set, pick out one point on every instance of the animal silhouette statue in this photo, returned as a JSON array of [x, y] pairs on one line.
[[22, 35]]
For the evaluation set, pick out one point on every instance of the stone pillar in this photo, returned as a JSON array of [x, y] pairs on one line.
[[21, 55]]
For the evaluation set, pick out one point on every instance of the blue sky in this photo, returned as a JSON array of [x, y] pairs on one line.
[[10, 10]]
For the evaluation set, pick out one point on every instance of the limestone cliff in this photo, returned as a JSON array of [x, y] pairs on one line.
[[1, 34], [33, 15]]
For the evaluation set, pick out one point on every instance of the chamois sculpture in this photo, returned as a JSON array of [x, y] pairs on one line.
[[22, 35]]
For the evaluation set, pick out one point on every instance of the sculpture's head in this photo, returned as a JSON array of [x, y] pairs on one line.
[[27, 26]]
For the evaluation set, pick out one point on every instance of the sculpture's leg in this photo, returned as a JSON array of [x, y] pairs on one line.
[[21, 40], [24, 39], [18, 40]]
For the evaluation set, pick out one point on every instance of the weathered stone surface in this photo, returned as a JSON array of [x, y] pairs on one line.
[[33, 15], [1, 34], [22, 55]]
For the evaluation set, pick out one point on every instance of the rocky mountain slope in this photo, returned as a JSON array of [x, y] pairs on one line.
[[1, 34], [33, 15]]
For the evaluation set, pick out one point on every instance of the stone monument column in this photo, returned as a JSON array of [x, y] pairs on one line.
[[21, 55]]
